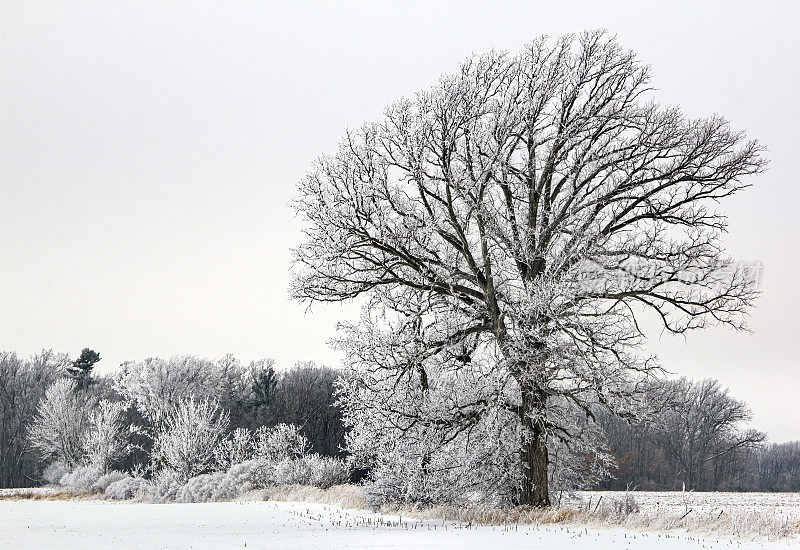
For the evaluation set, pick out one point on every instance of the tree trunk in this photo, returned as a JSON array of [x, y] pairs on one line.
[[535, 491]]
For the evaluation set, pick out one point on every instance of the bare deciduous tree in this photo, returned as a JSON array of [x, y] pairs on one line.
[[155, 385], [304, 395], [190, 432], [106, 438], [778, 467], [22, 384], [57, 432], [281, 442], [541, 203]]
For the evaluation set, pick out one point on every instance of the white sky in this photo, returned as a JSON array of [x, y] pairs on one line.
[[147, 155]]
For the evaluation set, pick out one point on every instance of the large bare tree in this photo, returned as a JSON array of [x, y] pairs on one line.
[[542, 203]]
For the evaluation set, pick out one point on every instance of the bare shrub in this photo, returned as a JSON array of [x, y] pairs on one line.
[[626, 505]]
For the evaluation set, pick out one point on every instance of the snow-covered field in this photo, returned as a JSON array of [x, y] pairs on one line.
[[90, 524], [776, 505]]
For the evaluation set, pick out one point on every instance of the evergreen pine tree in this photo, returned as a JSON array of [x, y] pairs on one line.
[[81, 368]]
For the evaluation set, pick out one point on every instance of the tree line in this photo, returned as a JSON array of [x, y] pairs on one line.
[[251, 396], [699, 439]]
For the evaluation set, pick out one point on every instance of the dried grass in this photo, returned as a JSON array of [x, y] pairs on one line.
[[735, 524], [343, 496], [50, 495]]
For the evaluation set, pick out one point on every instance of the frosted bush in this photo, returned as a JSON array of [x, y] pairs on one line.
[[224, 488], [405, 483], [166, 485], [129, 488], [197, 489], [402, 472], [239, 447], [259, 473], [54, 472], [315, 470], [479, 467], [81, 478], [207, 488], [290, 472], [326, 471], [107, 479], [251, 474]]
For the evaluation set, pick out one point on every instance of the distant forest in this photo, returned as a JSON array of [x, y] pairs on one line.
[[699, 441]]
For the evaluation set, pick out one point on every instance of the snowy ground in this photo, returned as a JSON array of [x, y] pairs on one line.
[[90, 524]]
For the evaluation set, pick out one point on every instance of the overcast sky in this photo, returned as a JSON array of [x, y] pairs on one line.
[[147, 155]]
